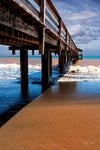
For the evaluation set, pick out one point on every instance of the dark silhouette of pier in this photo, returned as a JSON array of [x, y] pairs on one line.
[[36, 25]]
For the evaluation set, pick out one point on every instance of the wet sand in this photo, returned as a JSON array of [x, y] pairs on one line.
[[87, 62], [54, 122], [12, 99], [65, 117], [32, 61], [10, 60]]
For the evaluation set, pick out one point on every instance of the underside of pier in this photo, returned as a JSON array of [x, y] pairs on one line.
[[23, 26]]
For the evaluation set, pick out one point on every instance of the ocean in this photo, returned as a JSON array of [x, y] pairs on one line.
[[12, 98], [81, 80]]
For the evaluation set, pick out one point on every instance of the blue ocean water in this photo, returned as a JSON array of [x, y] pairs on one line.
[[12, 98], [91, 57], [39, 56]]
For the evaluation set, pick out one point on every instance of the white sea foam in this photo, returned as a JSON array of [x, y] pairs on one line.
[[9, 66], [74, 73], [85, 69], [81, 73], [38, 67], [12, 71], [18, 66]]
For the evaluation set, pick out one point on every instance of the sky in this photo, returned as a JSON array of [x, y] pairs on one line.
[[82, 19]]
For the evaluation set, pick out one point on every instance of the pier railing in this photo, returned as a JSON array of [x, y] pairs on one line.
[[36, 25], [45, 12]]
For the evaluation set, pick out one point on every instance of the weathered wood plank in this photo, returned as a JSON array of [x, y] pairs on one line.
[[15, 6], [16, 47], [66, 36], [71, 48], [41, 40], [30, 7], [51, 26], [42, 10], [63, 37], [63, 27], [42, 30], [60, 26], [7, 35], [37, 2], [14, 21], [28, 31], [15, 42], [62, 45], [51, 10], [52, 33], [50, 40], [51, 18]]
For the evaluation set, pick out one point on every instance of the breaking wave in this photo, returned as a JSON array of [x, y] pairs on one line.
[[84, 69], [81, 73], [73, 73], [15, 66], [12, 71]]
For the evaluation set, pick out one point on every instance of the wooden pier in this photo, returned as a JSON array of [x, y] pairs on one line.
[[36, 25]]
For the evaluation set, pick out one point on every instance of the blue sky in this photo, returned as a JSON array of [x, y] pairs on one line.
[[82, 18]]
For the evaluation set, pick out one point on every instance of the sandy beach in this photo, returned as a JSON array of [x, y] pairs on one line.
[[87, 62], [65, 117], [50, 75], [35, 61], [53, 124]]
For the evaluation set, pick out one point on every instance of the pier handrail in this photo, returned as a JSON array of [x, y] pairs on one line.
[[46, 13]]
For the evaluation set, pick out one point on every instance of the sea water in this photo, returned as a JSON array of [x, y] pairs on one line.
[[81, 81], [12, 98], [84, 74], [83, 70]]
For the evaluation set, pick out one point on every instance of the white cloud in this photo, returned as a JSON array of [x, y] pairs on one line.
[[75, 29], [82, 18], [91, 48], [83, 15]]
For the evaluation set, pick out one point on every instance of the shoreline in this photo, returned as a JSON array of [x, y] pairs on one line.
[[11, 101]]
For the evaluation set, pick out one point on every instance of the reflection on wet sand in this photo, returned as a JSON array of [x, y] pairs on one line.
[[82, 92]]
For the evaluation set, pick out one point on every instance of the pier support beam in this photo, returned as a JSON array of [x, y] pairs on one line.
[[81, 56], [61, 62], [68, 57], [45, 70], [74, 58], [64, 58], [24, 68], [50, 64]]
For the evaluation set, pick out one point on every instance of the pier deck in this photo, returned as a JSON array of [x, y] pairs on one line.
[[36, 25]]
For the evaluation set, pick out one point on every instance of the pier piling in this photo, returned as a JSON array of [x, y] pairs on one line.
[[61, 62], [24, 68], [45, 69]]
